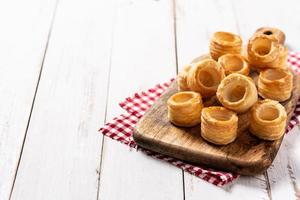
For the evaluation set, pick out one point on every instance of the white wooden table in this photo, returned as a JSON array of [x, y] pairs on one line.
[[65, 65]]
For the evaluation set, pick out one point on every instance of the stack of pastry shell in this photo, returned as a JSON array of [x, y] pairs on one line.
[[182, 78], [268, 119], [266, 49], [276, 84], [263, 52], [184, 108], [205, 76], [224, 43], [224, 75], [219, 125], [237, 92], [272, 33], [234, 63]]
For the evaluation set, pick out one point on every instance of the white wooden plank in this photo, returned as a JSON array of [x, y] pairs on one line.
[[245, 188], [62, 149], [143, 55], [196, 22], [284, 15], [23, 38], [284, 174]]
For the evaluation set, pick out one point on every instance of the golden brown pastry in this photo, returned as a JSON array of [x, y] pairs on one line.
[[205, 76], [272, 33], [268, 120], [237, 92], [218, 125], [282, 59], [202, 57], [276, 84], [184, 108], [223, 43], [234, 63], [182, 78], [182, 75], [263, 52]]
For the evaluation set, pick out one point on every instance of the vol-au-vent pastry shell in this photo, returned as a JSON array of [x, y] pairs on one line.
[[262, 52], [272, 33], [282, 59], [218, 125], [268, 120], [223, 43], [237, 92], [182, 75], [202, 57], [205, 76], [184, 108], [226, 39], [182, 78], [234, 63], [276, 84]]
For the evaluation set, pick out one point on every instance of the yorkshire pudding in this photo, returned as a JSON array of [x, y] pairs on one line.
[[234, 63], [276, 84], [237, 92], [218, 125], [204, 77], [268, 120], [223, 43], [184, 108]]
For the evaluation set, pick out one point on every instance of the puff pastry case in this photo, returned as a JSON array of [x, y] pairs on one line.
[[224, 78]]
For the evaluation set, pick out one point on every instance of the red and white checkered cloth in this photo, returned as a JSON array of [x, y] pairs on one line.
[[121, 127]]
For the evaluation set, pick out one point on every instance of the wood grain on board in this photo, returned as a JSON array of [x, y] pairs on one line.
[[247, 155]]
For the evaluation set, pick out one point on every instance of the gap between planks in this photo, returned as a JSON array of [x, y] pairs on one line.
[[34, 96], [107, 98], [268, 186], [176, 59], [175, 32]]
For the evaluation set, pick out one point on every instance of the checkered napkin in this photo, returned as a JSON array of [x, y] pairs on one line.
[[121, 128]]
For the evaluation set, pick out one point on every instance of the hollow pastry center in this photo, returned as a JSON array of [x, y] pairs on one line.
[[268, 33], [182, 97], [225, 37], [209, 77], [234, 92], [262, 46], [268, 113], [272, 74], [220, 115], [233, 63]]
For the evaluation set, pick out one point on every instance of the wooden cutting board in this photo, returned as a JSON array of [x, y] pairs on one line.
[[247, 155]]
